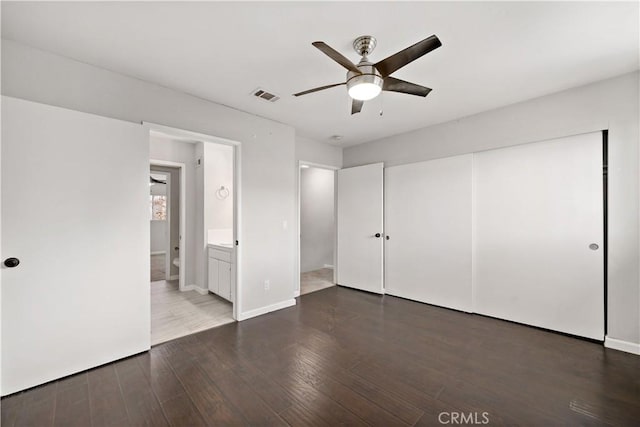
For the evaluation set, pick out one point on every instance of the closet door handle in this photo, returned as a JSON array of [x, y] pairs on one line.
[[11, 262], [377, 235]]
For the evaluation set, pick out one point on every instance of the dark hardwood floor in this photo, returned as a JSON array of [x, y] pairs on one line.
[[346, 357]]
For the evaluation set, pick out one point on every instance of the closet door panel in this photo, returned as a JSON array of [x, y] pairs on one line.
[[75, 211], [428, 222], [539, 234]]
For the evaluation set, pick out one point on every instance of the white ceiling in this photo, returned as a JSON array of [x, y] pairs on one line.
[[493, 54]]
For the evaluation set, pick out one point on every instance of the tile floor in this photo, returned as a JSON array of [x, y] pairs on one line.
[[158, 267], [312, 281], [175, 314]]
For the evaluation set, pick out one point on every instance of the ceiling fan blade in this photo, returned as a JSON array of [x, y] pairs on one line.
[[402, 58], [356, 106], [396, 85], [336, 56], [317, 89]]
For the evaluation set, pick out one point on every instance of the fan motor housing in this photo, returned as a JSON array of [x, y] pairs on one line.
[[369, 75]]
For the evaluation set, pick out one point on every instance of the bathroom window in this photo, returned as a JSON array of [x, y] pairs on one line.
[[158, 208]]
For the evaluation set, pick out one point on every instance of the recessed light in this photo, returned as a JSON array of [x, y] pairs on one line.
[[336, 138], [304, 166]]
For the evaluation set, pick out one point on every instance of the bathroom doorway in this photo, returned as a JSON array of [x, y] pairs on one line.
[[199, 288], [164, 223], [167, 220], [317, 227]]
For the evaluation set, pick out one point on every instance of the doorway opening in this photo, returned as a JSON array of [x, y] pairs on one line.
[[193, 207], [317, 227], [164, 212]]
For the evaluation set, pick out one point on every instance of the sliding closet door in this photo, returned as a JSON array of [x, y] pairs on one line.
[[428, 222], [539, 234], [75, 214]]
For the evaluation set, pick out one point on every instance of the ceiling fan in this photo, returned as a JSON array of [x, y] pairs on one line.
[[366, 80]]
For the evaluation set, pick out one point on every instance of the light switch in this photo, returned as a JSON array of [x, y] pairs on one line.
[[284, 225]]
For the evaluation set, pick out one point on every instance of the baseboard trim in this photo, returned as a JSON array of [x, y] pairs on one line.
[[196, 288], [316, 268], [626, 346], [174, 277], [159, 253], [296, 294], [267, 309]]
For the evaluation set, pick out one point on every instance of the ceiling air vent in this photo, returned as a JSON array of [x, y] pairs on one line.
[[264, 95]]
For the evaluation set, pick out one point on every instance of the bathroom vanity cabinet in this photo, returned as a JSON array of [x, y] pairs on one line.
[[222, 271]]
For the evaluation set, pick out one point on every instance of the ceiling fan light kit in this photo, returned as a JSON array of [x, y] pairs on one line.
[[366, 80], [365, 86]]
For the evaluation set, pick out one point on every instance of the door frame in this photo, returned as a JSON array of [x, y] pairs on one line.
[[190, 136], [182, 206], [335, 170], [167, 261]]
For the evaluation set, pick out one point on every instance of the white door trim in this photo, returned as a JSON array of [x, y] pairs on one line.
[[190, 136], [187, 135], [296, 279]]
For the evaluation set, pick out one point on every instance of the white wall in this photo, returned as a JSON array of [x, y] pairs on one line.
[[158, 189], [610, 104], [317, 223], [309, 150], [218, 171], [158, 236], [267, 236], [216, 214]]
